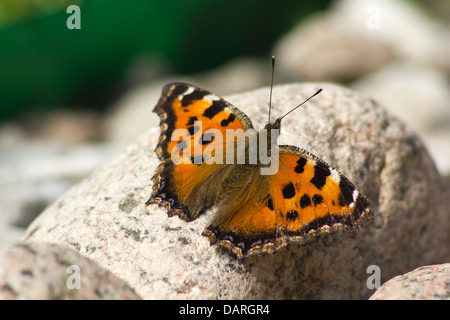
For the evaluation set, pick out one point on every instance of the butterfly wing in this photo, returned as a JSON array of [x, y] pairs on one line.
[[305, 198], [187, 186]]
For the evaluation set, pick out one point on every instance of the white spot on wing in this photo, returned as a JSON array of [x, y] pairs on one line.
[[355, 195], [188, 91], [211, 97], [335, 176]]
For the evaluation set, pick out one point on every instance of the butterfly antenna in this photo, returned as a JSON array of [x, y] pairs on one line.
[[271, 86], [315, 94]]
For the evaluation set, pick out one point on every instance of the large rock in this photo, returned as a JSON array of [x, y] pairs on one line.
[[424, 283], [39, 270], [105, 218]]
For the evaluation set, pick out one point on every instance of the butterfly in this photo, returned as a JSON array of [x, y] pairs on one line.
[[254, 212]]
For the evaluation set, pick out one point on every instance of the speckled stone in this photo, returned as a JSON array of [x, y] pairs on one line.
[[105, 217], [424, 283], [39, 270]]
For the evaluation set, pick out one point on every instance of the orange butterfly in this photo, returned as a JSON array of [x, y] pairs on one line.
[[255, 212]]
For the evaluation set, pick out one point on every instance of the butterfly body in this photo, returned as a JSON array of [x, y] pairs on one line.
[[264, 195]]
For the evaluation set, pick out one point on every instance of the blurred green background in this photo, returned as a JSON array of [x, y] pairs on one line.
[[43, 64]]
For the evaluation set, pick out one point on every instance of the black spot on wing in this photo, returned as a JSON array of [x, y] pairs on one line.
[[292, 215], [300, 165], [226, 122], [191, 121], [305, 201], [206, 138], [193, 130], [317, 199], [216, 107], [193, 96], [270, 204], [197, 159], [321, 172], [346, 195], [288, 191], [179, 89]]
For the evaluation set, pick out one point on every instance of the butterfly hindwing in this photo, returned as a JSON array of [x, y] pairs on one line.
[[305, 198]]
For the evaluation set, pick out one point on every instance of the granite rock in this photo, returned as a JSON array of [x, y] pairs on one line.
[[39, 270], [424, 283], [105, 218]]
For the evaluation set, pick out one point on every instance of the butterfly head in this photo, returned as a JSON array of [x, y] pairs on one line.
[[274, 125], [277, 123]]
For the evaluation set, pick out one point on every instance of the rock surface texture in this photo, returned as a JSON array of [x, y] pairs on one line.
[[105, 219], [429, 282], [39, 270]]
